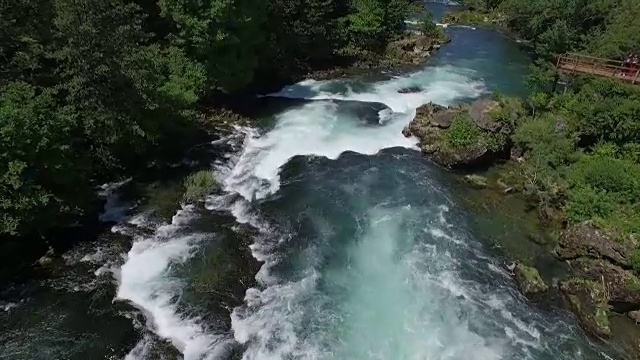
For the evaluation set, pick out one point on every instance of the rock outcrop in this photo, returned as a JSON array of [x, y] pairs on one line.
[[458, 136], [601, 280], [414, 48], [587, 299], [622, 286], [480, 112], [529, 280], [586, 240]]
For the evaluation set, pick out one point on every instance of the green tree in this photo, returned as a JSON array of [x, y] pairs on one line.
[[223, 35], [45, 180], [427, 25]]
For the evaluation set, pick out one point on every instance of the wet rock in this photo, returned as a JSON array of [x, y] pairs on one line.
[[585, 240], [413, 48], [622, 286], [587, 299], [424, 126], [410, 90], [46, 259], [480, 112], [367, 112], [529, 280], [435, 115], [469, 156], [634, 315], [477, 181]]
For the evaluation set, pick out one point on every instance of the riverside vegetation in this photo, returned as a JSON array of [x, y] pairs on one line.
[[575, 155], [96, 91]]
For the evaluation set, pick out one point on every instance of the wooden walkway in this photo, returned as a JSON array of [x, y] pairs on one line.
[[584, 64]]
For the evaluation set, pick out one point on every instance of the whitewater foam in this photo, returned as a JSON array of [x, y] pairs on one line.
[[146, 281], [270, 322], [317, 128]]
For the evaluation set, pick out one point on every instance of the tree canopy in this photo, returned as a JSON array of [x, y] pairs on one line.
[[94, 90]]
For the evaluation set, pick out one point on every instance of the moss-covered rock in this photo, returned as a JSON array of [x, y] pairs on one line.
[[529, 280], [470, 17], [622, 286], [585, 240], [460, 135], [588, 300], [477, 181], [413, 48], [198, 185]]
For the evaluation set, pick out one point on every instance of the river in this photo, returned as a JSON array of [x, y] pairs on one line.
[[366, 254]]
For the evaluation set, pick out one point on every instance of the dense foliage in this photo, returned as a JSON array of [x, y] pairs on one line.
[[607, 28], [581, 147], [94, 90]]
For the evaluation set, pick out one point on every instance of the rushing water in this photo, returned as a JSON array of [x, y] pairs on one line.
[[365, 254]]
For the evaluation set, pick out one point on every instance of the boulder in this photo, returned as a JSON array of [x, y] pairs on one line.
[[413, 48], [634, 315], [444, 119], [469, 156], [587, 299], [422, 126], [586, 240], [430, 125], [424, 112], [480, 114], [46, 259], [477, 181], [622, 286], [529, 280], [410, 89]]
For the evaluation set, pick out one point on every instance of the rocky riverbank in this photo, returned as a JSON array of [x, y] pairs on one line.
[[407, 52], [598, 282], [469, 17]]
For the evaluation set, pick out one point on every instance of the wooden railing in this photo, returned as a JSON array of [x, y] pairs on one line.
[[585, 64]]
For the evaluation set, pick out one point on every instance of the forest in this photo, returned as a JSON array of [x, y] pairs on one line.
[[93, 91], [581, 147]]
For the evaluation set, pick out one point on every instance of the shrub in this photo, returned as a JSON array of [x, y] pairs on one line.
[[606, 190], [630, 152], [546, 142], [619, 178], [605, 110], [198, 185], [463, 133], [634, 260], [586, 203]]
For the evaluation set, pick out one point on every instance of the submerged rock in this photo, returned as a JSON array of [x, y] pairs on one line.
[[529, 280], [587, 299], [410, 90], [586, 240], [634, 315], [476, 180]]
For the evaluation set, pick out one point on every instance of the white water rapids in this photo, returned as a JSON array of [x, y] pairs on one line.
[[404, 288]]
